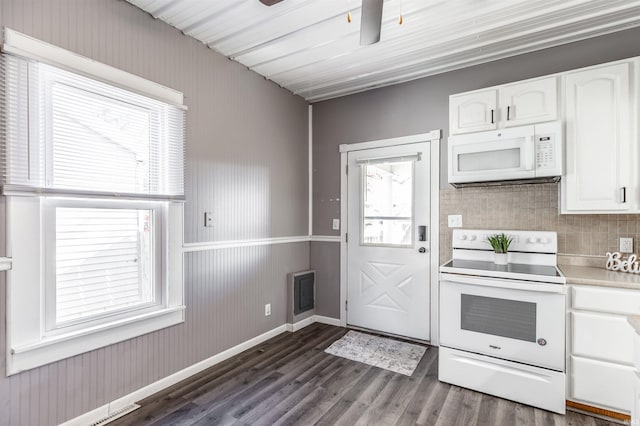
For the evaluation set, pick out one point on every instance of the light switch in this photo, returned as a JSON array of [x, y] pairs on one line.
[[208, 219], [336, 224]]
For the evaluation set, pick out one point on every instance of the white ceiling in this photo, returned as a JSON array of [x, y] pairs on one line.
[[308, 47]]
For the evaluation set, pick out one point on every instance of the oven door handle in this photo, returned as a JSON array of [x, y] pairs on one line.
[[503, 283]]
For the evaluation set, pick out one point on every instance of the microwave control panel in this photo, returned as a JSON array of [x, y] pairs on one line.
[[548, 141], [545, 151]]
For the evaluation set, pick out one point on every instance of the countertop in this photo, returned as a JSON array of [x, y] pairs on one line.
[[589, 275], [634, 320]]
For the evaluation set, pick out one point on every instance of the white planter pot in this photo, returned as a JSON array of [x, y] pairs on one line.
[[501, 258]]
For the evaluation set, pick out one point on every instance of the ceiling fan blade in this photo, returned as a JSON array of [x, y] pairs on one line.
[[270, 2], [371, 21]]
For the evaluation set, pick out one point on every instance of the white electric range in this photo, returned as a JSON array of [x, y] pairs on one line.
[[502, 327]]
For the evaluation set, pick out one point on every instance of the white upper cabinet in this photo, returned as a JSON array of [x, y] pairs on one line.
[[600, 140], [529, 102], [473, 112]]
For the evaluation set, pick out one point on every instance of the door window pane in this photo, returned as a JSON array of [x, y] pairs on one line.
[[387, 203], [103, 261], [499, 317]]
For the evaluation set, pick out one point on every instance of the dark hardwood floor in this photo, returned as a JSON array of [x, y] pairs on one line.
[[289, 380]]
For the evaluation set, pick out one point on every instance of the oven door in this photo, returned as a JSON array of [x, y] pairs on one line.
[[492, 156], [525, 326]]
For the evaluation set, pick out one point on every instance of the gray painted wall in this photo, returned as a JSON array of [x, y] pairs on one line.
[[423, 105], [418, 107], [246, 162], [325, 259]]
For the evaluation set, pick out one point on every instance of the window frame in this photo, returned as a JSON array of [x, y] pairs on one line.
[[158, 255], [28, 345]]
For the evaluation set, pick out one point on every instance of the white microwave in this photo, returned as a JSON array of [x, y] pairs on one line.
[[508, 155]]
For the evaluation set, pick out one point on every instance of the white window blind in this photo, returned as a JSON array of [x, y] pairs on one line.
[[68, 134], [104, 262]]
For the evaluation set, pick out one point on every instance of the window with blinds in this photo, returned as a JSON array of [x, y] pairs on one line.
[[104, 262], [102, 160], [67, 134], [91, 176]]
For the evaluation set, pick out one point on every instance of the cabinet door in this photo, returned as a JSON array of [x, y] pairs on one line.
[[473, 112], [601, 336], [599, 144], [530, 102], [602, 384]]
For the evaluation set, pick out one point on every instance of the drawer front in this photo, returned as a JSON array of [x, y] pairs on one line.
[[534, 386], [611, 300], [602, 384], [602, 336]]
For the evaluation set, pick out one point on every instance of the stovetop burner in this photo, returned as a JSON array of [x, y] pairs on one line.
[[516, 268], [532, 256]]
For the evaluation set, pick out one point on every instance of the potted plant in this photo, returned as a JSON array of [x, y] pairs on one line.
[[500, 244]]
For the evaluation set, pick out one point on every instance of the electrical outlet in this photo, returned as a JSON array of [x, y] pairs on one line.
[[336, 224], [455, 220], [208, 219], [626, 245], [267, 309]]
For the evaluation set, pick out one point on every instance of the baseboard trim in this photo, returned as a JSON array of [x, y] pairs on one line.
[[328, 320], [301, 324], [103, 412], [106, 410]]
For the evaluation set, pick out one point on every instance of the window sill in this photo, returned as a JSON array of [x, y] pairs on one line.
[[55, 348]]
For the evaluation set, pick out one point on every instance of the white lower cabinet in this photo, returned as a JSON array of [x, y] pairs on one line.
[[602, 384], [635, 413], [601, 349]]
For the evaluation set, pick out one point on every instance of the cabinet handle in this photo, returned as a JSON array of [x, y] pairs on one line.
[[508, 112], [492, 122], [623, 194]]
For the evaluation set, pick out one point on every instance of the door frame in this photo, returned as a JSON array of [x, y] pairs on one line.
[[433, 138]]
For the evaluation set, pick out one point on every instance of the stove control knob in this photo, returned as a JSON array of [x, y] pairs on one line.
[[472, 238], [532, 240], [544, 240], [462, 237], [542, 342]]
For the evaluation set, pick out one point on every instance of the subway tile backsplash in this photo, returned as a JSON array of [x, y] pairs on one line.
[[534, 207]]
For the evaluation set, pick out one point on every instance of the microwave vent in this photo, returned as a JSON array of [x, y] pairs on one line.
[[548, 179]]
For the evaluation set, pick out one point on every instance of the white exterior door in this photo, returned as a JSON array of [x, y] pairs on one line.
[[388, 261]]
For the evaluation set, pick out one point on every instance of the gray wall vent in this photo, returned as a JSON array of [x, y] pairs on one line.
[[301, 295]]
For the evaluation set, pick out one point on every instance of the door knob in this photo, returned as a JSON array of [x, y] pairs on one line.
[[422, 250]]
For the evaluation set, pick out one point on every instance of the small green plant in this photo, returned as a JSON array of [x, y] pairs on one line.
[[500, 242]]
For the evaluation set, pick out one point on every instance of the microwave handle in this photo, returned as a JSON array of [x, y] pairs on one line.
[[530, 153]]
